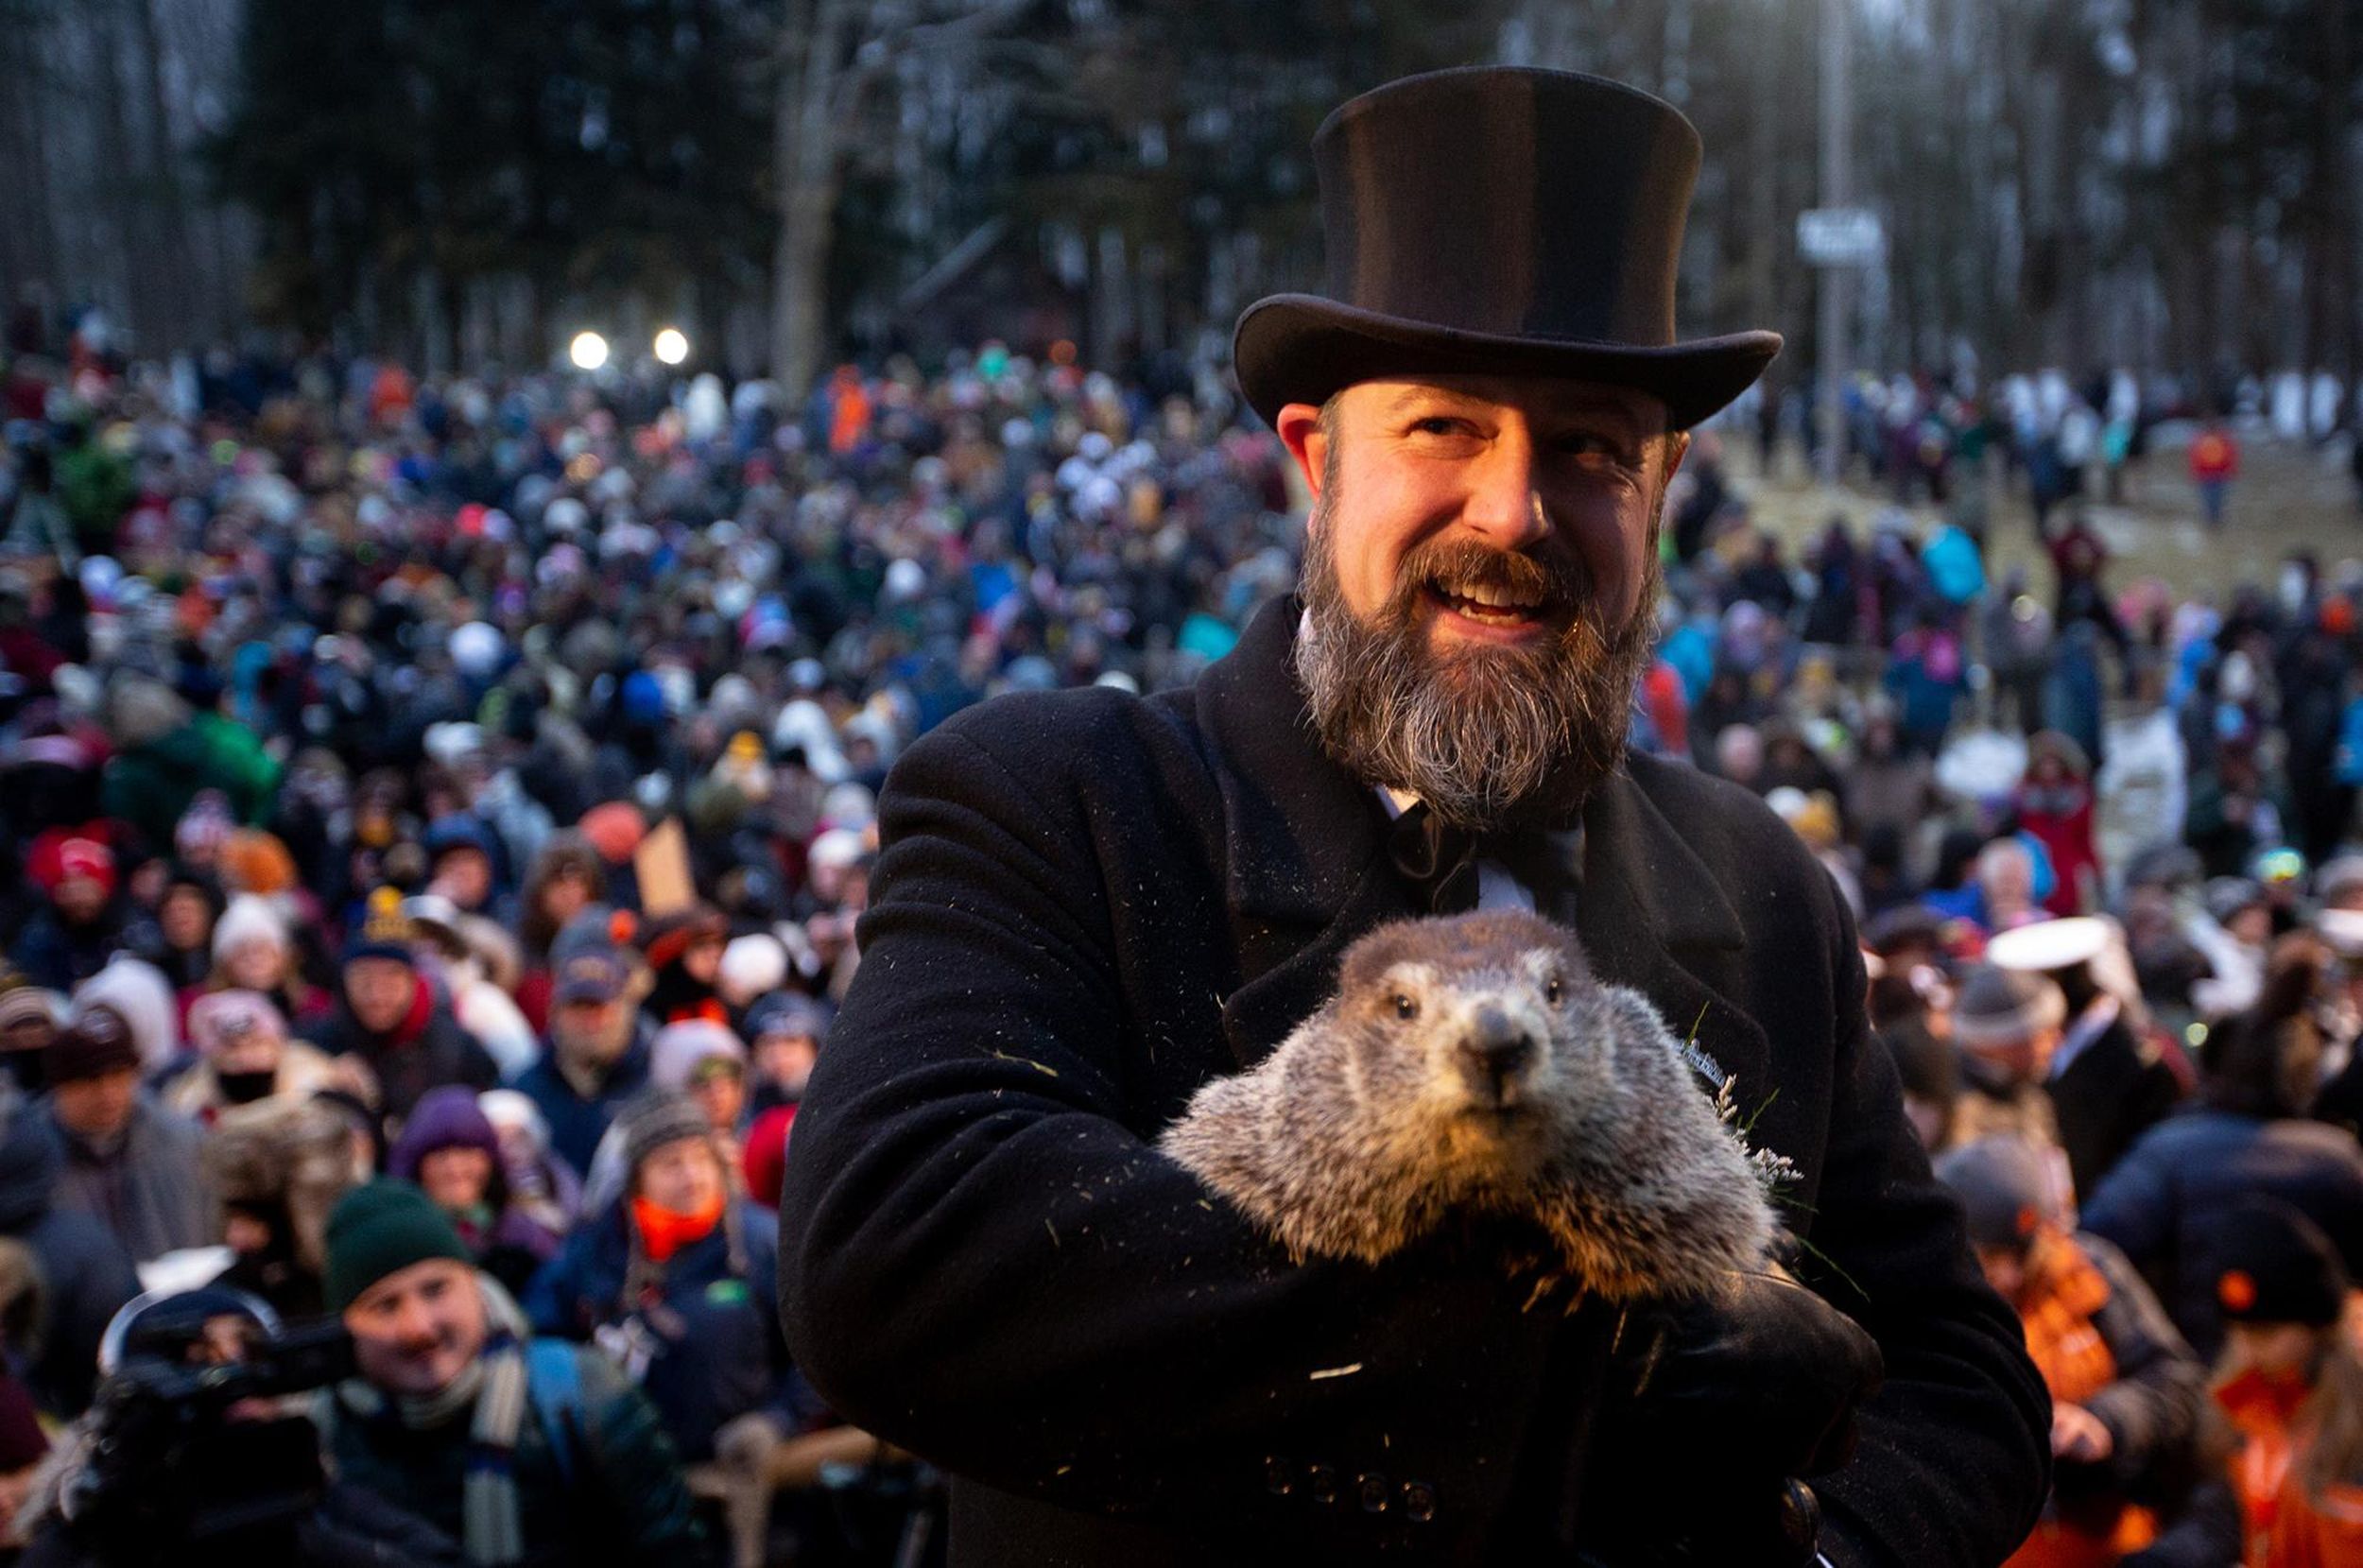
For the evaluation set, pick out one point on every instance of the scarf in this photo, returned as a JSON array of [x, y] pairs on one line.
[[494, 1388], [664, 1232], [2064, 1291]]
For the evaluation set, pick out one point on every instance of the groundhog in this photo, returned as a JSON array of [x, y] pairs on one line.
[[1473, 1064]]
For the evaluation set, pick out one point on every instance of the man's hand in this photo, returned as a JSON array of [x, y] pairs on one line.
[[1761, 1380], [1744, 1393], [2079, 1436]]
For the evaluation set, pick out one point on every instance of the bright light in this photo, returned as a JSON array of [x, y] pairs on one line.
[[671, 347], [588, 351]]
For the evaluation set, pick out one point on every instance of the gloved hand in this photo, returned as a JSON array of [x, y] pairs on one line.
[[1746, 1393], [1762, 1379]]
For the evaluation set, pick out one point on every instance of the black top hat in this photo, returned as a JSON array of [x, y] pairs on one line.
[[1500, 220]]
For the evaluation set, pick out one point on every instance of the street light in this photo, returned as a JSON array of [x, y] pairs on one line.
[[671, 346], [588, 351]]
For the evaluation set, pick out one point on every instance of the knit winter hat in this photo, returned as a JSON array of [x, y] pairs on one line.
[[66, 855], [753, 966], [24, 1004], [665, 938], [219, 1018], [788, 1013], [251, 917], [2005, 1007], [763, 1162], [2339, 878], [383, 933], [2274, 1266], [95, 1044], [381, 1229], [681, 1048], [2002, 1187], [659, 1117], [448, 1117]]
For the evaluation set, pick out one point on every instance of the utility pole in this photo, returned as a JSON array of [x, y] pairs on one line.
[[1838, 181]]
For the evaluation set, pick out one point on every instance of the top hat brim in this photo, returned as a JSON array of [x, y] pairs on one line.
[[1301, 348]]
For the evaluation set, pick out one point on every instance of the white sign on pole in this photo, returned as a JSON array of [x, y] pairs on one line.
[[1841, 236]]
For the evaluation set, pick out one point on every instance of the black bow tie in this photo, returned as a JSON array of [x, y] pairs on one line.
[[1440, 862], [1436, 858]]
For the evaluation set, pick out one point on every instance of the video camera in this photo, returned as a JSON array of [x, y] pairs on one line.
[[198, 1453]]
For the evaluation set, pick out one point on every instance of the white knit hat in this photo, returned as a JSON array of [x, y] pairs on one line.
[[682, 1047], [754, 965], [248, 917]]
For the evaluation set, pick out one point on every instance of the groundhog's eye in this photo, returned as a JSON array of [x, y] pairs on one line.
[[1405, 1007], [1553, 991]]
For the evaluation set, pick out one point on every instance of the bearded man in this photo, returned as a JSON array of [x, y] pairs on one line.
[[1088, 904]]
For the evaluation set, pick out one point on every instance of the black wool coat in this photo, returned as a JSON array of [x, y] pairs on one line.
[[1090, 903]]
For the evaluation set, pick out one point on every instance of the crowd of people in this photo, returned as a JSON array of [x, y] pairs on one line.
[[440, 813]]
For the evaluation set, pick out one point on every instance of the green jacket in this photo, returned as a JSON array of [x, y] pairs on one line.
[[619, 1498], [151, 786]]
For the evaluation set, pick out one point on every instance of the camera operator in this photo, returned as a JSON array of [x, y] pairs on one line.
[[200, 1450]]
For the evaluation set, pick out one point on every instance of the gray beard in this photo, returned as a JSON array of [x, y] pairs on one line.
[[1491, 737]]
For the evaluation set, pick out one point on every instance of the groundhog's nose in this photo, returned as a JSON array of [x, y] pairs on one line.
[[1494, 1054]]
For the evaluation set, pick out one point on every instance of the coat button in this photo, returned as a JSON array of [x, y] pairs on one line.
[[1374, 1493], [1419, 1501], [1279, 1476], [1321, 1483]]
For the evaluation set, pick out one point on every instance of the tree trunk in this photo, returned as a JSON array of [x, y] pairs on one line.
[[807, 163], [167, 200]]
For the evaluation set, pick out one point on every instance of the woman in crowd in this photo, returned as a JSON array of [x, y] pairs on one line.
[[449, 1147]]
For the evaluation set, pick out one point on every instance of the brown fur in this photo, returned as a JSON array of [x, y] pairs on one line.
[[1365, 1129], [295, 1152]]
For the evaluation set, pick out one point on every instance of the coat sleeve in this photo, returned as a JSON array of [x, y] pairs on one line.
[[981, 1261], [2152, 1409], [1954, 1462]]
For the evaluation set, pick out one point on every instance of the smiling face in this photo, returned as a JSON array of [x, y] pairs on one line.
[[418, 1328], [1480, 575]]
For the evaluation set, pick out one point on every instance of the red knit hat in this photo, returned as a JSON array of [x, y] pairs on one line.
[[63, 854], [765, 1161]]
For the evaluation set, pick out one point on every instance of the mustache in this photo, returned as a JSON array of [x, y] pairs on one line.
[[1556, 582]]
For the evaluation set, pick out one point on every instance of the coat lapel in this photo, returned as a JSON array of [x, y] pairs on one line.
[[1653, 917], [1306, 869]]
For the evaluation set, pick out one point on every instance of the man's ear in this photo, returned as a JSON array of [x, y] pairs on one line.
[[1298, 425], [1677, 448]]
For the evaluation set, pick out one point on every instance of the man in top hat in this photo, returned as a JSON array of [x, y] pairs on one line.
[[1089, 904], [2108, 1082]]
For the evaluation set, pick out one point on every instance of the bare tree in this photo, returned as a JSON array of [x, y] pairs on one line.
[[832, 55]]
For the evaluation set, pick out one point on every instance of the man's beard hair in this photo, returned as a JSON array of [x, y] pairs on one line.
[[1490, 735]]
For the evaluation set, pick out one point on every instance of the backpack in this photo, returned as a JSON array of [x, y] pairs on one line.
[[554, 1384]]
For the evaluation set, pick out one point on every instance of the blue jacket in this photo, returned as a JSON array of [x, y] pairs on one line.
[[577, 1124], [2166, 1203], [719, 1352]]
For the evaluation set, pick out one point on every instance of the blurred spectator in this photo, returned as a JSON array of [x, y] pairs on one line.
[[596, 1054], [85, 1274], [2125, 1388], [391, 1021], [129, 1164], [2170, 1204], [449, 1149], [524, 1450]]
